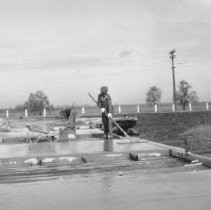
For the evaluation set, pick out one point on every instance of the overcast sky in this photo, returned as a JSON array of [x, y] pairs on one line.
[[67, 48]]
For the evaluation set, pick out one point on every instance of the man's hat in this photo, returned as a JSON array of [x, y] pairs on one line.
[[104, 89]]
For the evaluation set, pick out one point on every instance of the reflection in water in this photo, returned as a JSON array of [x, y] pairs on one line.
[[41, 148], [107, 181], [66, 147], [69, 147], [108, 145]]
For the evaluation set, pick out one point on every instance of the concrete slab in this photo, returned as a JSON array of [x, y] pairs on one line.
[[182, 190], [74, 147], [29, 161], [87, 131]]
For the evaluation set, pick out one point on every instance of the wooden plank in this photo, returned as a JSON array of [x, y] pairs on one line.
[[190, 157]]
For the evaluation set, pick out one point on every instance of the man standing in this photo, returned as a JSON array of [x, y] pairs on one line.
[[105, 104]]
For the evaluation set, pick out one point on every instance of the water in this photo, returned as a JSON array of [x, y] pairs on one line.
[[187, 190], [71, 147]]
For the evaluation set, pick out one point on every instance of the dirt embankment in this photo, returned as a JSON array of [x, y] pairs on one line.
[[191, 130], [25, 130], [198, 138]]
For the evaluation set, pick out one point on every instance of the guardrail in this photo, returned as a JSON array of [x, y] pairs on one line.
[[118, 109]]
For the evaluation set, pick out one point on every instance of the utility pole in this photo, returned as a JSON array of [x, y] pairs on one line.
[[172, 56]]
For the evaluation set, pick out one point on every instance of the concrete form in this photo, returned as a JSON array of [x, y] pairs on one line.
[[100, 174]]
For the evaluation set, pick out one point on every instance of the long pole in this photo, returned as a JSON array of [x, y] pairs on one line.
[[172, 56]]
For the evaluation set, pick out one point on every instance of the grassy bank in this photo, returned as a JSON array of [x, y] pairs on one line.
[[189, 130]]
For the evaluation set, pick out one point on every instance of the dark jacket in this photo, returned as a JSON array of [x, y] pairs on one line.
[[104, 101]]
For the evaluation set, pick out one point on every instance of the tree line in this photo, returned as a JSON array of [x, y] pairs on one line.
[[36, 103], [184, 95], [39, 100]]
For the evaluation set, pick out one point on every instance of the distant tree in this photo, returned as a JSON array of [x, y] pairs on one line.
[[19, 108], [36, 102], [185, 95], [153, 95]]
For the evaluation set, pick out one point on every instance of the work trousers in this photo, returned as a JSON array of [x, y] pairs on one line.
[[107, 124]]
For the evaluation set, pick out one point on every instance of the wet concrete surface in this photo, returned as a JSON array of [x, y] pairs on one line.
[[14, 173], [108, 179], [34, 162], [72, 147], [152, 191]]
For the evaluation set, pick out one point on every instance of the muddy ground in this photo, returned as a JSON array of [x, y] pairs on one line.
[[150, 183], [196, 139], [179, 190], [190, 130], [28, 130]]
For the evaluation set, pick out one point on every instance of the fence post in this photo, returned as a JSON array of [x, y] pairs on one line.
[[26, 113], [83, 110], [44, 112], [156, 108], [7, 113], [119, 109], [190, 107], [207, 106], [173, 107], [138, 109]]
